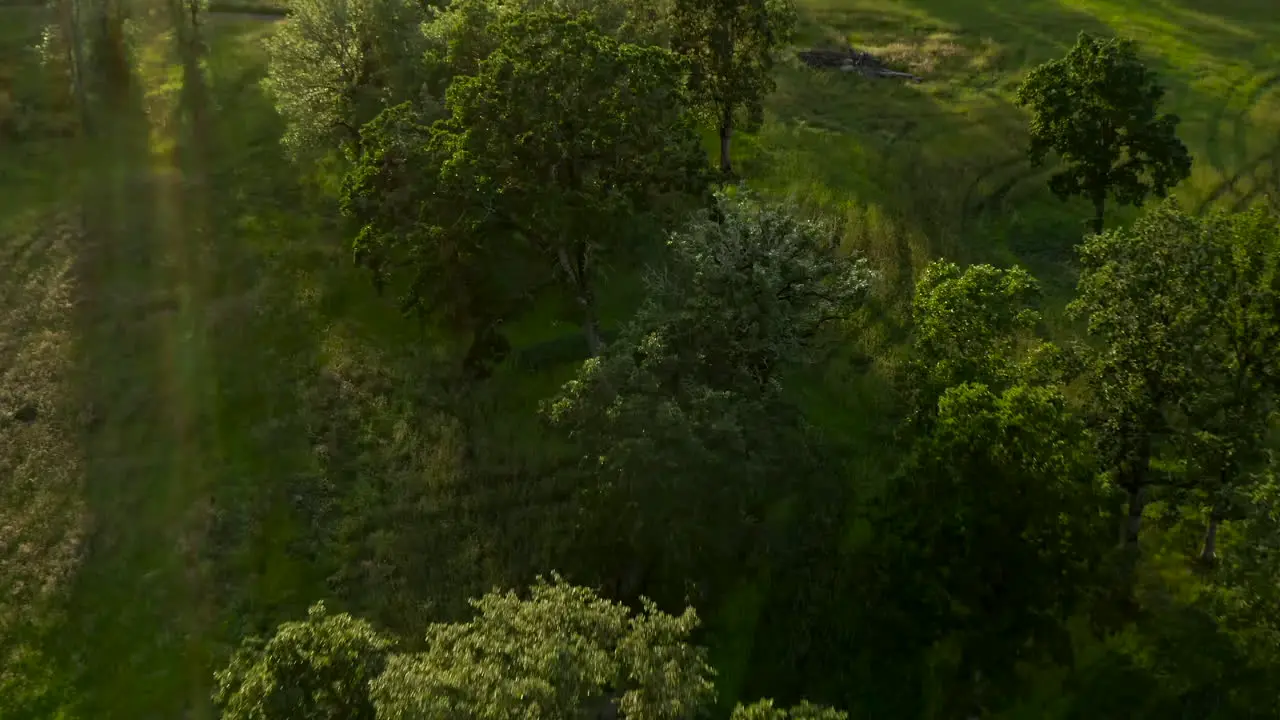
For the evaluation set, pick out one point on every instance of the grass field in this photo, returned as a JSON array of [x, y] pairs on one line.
[[204, 409]]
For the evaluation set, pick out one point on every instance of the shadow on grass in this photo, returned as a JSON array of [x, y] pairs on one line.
[[160, 293]]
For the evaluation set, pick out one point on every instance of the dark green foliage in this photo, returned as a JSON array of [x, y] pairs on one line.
[[731, 45], [689, 394], [316, 669], [989, 537], [561, 137], [1098, 110], [1184, 309], [414, 236]]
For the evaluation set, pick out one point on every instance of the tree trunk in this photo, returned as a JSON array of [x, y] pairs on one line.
[[1133, 522], [584, 295], [591, 325], [1209, 552], [1099, 208], [726, 136], [69, 20]]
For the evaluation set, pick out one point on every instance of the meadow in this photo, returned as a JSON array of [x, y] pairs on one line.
[[208, 419]]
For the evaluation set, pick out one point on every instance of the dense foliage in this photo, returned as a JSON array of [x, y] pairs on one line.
[[561, 652], [549, 138], [547, 154]]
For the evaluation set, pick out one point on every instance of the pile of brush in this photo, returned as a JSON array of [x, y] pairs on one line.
[[851, 60]]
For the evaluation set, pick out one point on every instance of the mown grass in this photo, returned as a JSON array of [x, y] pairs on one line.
[[230, 424]]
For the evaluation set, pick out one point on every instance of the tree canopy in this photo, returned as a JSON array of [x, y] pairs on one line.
[[336, 63], [559, 652], [689, 393], [318, 668], [550, 150]]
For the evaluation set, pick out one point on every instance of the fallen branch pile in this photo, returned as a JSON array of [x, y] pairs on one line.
[[850, 60]]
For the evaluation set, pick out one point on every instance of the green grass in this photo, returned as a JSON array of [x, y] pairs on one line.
[[230, 424], [224, 407]]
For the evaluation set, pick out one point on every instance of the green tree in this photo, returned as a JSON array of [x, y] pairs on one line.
[[560, 652], [562, 139], [1234, 415], [974, 325], [1098, 110], [1154, 298], [438, 256], [336, 63], [732, 44], [690, 393], [563, 652], [988, 540], [316, 669], [457, 36]]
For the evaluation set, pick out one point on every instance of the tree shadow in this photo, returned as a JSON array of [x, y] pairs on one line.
[[186, 353]]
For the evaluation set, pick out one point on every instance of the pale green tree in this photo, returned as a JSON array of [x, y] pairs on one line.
[[559, 652], [334, 64], [316, 669], [765, 710], [562, 652]]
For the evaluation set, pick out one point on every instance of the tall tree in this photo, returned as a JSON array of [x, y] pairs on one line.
[[65, 44], [1098, 110], [336, 63], [1153, 296], [732, 44], [441, 258], [988, 539], [1233, 417], [689, 394], [557, 143]]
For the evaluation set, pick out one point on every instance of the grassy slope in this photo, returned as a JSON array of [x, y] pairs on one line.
[[200, 360]]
